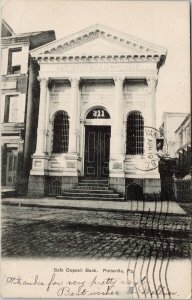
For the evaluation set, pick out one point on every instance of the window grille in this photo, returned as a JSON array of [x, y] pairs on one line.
[[55, 188], [135, 134], [61, 133]]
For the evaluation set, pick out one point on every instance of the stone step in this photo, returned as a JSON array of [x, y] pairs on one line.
[[94, 181], [89, 195], [71, 197], [90, 191], [90, 187], [85, 184], [95, 189], [94, 178]]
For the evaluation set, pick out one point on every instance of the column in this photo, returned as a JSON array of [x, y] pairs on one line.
[[150, 148], [152, 83], [74, 118], [116, 137], [37, 184], [116, 165], [40, 148]]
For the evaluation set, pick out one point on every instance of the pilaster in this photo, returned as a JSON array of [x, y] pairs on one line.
[[116, 150], [74, 118], [72, 155], [41, 131], [152, 84]]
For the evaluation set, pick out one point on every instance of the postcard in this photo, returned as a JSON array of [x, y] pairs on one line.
[[96, 149]]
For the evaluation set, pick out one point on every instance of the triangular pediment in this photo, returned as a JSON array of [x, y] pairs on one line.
[[99, 47], [99, 41]]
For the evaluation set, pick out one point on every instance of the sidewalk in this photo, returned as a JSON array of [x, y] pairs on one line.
[[164, 207]]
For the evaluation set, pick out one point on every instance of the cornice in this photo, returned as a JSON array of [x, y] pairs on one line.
[[99, 58], [14, 40], [13, 77]]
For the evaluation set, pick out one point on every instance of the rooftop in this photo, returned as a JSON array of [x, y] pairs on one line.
[[184, 121]]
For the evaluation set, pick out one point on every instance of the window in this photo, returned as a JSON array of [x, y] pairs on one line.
[[61, 133], [11, 166], [181, 138], [135, 134], [55, 188], [11, 109], [14, 61]]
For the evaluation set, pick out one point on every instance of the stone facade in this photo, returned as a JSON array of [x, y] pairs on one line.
[[112, 76]]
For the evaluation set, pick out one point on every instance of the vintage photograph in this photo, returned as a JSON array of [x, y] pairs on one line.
[[95, 149]]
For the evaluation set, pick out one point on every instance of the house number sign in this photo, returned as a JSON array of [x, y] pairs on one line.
[[98, 113]]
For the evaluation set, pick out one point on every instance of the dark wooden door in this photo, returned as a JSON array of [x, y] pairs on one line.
[[11, 168], [97, 147]]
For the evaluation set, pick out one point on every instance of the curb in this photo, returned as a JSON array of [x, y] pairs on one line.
[[91, 209]]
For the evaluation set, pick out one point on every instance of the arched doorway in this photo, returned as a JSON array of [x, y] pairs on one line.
[[97, 144]]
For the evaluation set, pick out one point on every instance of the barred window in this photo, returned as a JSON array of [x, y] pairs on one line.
[[135, 134], [61, 133]]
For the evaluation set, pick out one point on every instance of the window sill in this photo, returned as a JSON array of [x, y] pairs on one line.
[[12, 123], [128, 156], [58, 154], [13, 75]]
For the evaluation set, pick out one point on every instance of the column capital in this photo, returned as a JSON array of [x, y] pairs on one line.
[[74, 81], [152, 82], [43, 81], [118, 80]]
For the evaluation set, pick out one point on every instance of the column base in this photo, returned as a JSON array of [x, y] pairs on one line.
[[72, 165], [116, 167], [40, 164]]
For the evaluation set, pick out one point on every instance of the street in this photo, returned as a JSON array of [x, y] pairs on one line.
[[49, 232]]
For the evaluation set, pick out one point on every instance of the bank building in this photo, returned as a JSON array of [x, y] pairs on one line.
[[97, 96]]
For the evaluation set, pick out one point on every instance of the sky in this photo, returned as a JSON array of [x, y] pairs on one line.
[[165, 23]]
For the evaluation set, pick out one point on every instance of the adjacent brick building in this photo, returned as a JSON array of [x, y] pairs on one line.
[[183, 146], [19, 103]]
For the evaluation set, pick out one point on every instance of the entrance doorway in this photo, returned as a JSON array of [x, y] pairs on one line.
[[97, 151], [11, 168]]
